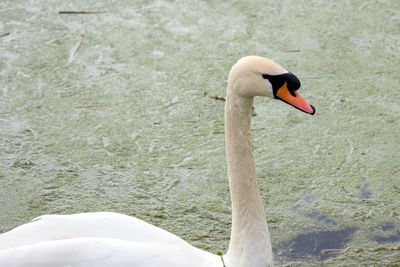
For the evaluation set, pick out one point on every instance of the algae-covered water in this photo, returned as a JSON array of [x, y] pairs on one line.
[[129, 125]]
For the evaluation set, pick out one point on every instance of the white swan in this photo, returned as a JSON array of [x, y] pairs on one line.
[[110, 239]]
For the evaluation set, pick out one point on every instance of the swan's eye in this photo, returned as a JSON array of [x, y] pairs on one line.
[[265, 76]]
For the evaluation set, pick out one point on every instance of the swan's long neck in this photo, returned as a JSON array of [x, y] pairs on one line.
[[250, 243]]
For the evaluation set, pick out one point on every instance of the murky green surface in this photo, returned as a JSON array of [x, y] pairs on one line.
[[126, 126]]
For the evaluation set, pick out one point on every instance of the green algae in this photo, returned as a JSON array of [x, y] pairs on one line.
[[152, 148]]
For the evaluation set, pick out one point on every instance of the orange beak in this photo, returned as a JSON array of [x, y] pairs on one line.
[[294, 99]]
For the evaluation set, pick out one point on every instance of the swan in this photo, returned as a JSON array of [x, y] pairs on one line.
[[111, 239]]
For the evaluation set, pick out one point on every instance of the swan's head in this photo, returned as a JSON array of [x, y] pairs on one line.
[[258, 76]]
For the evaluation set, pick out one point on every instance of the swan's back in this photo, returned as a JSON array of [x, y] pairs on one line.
[[94, 224], [105, 252], [97, 239]]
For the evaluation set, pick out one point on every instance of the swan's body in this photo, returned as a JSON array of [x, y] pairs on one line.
[[97, 239], [110, 239]]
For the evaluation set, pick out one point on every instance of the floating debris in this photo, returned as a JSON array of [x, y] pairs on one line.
[[357, 250], [217, 97], [81, 12], [75, 49], [386, 71]]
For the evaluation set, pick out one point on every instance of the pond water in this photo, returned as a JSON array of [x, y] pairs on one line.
[[129, 125]]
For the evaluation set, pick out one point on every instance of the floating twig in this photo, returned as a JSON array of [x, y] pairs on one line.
[[395, 170], [173, 184], [172, 103], [75, 49], [357, 250], [386, 71], [217, 97], [218, 220], [95, 106], [4, 34], [293, 51], [350, 153], [215, 237], [81, 11]]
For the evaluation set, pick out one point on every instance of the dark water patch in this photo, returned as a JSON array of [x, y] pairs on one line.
[[320, 217], [388, 239], [386, 226], [365, 192], [311, 244], [391, 235]]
